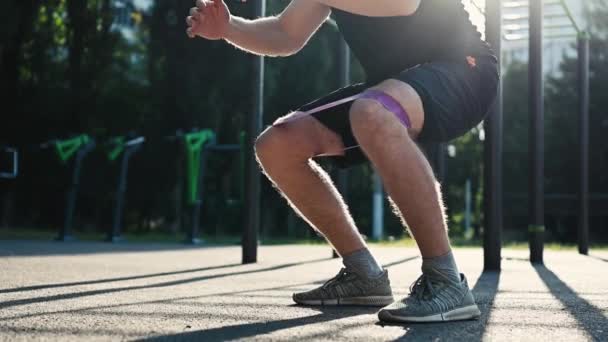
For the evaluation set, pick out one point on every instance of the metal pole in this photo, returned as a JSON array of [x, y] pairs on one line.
[[115, 234], [65, 233], [252, 186], [467, 208], [583, 78], [14, 169], [441, 163], [343, 62], [536, 228], [492, 199], [377, 208], [193, 237]]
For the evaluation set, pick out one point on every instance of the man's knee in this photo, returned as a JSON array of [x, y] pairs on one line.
[[368, 118], [268, 144], [281, 143]]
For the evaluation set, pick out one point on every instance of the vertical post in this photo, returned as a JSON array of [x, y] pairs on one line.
[[377, 208], [467, 208], [344, 67], [492, 199], [65, 233], [442, 167], [536, 226], [341, 176], [583, 79], [12, 171], [193, 236], [115, 235], [252, 186]]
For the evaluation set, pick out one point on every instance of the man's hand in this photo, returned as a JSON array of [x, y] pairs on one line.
[[209, 19]]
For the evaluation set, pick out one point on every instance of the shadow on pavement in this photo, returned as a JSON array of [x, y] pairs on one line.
[[18, 302], [12, 248], [176, 301], [598, 258], [485, 291], [247, 330], [590, 317], [109, 280]]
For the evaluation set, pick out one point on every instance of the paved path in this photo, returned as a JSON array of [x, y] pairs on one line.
[[54, 291]]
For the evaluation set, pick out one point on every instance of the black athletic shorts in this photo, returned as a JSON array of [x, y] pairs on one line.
[[456, 97]]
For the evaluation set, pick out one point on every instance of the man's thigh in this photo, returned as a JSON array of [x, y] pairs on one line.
[[306, 135], [327, 128], [408, 99]]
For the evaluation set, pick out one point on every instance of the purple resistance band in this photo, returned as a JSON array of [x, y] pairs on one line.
[[387, 101]]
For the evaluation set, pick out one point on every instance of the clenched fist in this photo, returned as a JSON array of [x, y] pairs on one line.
[[209, 19]]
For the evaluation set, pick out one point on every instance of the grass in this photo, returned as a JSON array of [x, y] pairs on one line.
[[163, 237]]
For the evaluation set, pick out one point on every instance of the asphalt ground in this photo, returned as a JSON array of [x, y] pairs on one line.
[[95, 291]]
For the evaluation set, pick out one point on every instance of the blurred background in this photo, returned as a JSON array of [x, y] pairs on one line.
[[125, 68]]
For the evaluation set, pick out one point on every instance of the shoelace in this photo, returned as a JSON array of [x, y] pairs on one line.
[[343, 273], [422, 288]]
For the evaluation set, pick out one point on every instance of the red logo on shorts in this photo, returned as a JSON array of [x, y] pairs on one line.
[[472, 61]]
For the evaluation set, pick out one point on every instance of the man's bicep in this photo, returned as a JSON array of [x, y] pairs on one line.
[[301, 19]]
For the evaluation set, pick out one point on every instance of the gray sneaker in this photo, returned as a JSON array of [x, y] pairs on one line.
[[349, 288], [433, 298]]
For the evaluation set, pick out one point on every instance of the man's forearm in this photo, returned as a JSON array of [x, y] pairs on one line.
[[262, 36], [375, 8]]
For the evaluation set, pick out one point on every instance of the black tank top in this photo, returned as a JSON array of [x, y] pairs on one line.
[[439, 30]]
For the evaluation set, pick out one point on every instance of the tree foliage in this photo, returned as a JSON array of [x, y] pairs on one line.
[[67, 67]]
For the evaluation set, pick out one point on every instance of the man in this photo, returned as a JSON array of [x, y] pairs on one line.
[[430, 77]]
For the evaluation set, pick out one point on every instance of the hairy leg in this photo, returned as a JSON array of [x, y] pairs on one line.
[[406, 173], [285, 153]]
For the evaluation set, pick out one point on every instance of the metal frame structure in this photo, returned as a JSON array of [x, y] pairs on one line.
[[493, 147], [516, 31], [536, 181], [583, 78], [253, 182], [213, 147], [15, 167], [344, 79], [126, 149], [77, 149]]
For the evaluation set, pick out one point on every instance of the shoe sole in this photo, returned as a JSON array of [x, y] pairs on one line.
[[359, 301], [460, 314]]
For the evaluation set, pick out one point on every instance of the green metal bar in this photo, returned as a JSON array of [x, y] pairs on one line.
[[533, 229], [193, 143], [67, 148], [115, 148]]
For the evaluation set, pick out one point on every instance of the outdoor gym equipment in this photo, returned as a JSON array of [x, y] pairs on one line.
[[193, 143], [12, 158], [493, 126], [198, 144], [76, 148], [121, 147], [493, 151]]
